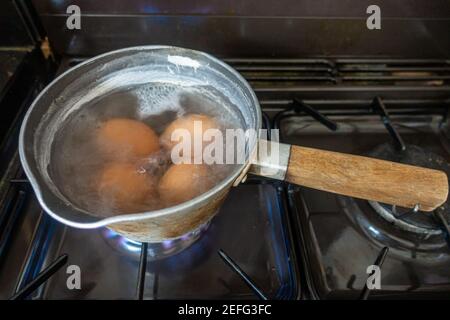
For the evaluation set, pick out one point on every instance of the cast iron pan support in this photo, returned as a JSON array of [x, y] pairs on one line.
[[248, 281], [297, 107], [379, 108], [41, 278], [141, 272], [378, 262]]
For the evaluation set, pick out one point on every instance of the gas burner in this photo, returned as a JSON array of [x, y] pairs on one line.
[[411, 220], [400, 228], [156, 250]]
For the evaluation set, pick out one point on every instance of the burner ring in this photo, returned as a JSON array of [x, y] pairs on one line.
[[409, 235], [420, 222], [387, 214], [380, 231]]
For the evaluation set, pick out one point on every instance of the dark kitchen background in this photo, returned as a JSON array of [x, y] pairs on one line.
[[251, 28], [322, 78]]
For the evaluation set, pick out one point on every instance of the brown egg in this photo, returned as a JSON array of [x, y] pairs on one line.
[[124, 138], [183, 182], [187, 122], [125, 187]]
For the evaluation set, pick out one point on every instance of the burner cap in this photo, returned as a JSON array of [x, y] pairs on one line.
[[406, 219]]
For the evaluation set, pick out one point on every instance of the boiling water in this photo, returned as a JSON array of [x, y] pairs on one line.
[[77, 160]]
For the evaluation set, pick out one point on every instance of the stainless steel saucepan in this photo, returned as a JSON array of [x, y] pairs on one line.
[[345, 174]]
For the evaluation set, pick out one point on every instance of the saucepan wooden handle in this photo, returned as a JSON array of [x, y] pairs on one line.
[[367, 178]]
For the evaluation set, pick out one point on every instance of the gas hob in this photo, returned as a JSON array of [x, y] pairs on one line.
[[292, 242]]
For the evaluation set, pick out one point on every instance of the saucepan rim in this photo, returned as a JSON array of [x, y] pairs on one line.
[[182, 207]]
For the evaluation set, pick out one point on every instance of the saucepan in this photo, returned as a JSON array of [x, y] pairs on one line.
[[345, 174]]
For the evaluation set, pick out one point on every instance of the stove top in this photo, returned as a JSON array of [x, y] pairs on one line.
[[253, 235], [343, 236], [292, 242]]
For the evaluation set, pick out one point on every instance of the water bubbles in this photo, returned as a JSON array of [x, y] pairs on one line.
[[78, 163]]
